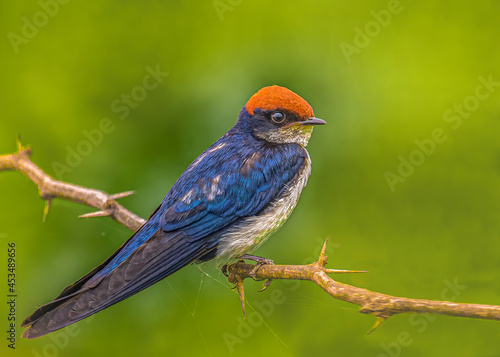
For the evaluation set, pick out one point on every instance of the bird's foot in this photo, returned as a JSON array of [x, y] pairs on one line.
[[260, 262], [266, 285]]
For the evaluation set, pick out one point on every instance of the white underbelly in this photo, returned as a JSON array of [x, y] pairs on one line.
[[251, 232]]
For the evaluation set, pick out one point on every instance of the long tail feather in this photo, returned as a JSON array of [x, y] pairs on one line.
[[161, 255]]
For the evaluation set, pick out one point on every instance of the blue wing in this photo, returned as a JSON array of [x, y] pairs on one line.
[[229, 183]]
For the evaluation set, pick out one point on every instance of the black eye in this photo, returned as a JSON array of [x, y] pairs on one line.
[[278, 117]]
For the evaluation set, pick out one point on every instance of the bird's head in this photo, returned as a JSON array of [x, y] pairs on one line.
[[278, 115]]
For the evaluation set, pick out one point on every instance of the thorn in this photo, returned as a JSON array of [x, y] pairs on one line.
[[380, 321], [322, 256], [341, 271], [241, 293], [94, 214], [46, 210], [323, 249], [117, 196], [18, 142], [21, 148]]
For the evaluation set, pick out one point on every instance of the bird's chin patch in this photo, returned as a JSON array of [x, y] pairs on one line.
[[293, 133]]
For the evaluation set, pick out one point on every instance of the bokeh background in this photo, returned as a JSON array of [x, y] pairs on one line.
[[385, 76]]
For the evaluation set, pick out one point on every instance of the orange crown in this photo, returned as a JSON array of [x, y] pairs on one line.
[[276, 97]]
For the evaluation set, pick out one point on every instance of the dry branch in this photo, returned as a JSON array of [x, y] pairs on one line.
[[380, 305], [50, 188]]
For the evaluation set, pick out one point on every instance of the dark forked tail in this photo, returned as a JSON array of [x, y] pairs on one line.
[[161, 255]]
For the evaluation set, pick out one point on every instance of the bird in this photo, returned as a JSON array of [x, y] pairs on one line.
[[227, 202]]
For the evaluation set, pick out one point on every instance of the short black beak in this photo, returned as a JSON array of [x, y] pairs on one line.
[[313, 121]]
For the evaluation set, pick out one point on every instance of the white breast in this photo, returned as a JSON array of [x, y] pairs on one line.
[[249, 234]]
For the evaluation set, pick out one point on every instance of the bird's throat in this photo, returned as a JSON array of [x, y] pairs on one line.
[[298, 133]]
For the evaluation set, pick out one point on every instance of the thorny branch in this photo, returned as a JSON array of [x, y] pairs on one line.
[[49, 188], [380, 305]]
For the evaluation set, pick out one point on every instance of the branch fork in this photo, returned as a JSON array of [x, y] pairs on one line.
[[50, 188]]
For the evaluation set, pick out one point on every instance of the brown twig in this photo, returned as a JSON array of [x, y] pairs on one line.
[[50, 188], [380, 305]]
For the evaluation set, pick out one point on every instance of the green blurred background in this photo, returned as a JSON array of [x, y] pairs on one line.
[[385, 75]]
